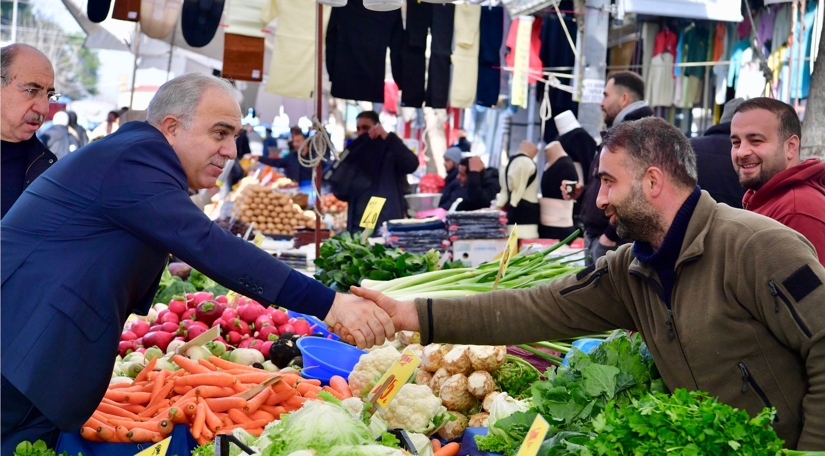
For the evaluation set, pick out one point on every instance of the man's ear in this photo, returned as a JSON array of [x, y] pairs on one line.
[[171, 127], [653, 182], [792, 148]]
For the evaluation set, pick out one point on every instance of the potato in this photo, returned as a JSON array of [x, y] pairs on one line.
[[423, 377], [454, 428], [480, 384], [432, 358], [454, 394], [487, 357], [488, 400], [457, 361], [439, 377], [479, 420]]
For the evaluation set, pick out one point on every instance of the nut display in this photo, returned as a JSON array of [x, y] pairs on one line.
[[272, 212]]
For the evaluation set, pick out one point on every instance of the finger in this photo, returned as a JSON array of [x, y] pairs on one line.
[[385, 321], [377, 330], [359, 339], [350, 340], [366, 293]]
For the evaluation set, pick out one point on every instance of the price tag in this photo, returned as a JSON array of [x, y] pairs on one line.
[[158, 449], [259, 240], [395, 378], [370, 217], [509, 251], [535, 436]]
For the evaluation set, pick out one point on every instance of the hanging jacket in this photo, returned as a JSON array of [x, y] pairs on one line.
[[795, 198]]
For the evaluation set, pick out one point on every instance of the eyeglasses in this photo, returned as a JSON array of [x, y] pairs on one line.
[[36, 94]]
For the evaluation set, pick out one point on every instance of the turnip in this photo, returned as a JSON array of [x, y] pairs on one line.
[[165, 364], [286, 328], [268, 333], [222, 299], [234, 338], [280, 317], [174, 345], [126, 346], [196, 353], [151, 316], [201, 296], [189, 314], [209, 311], [128, 335], [301, 327], [160, 339], [152, 353], [159, 307], [250, 312], [140, 328], [135, 357], [216, 347], [246, 356], [116, 380], [222, 341], [195, 331], [269, 367], [177, 307], [230, 314], [131, 369], [170, 317], [263, 321]]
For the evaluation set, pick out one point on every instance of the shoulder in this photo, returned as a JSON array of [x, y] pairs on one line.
[[751, 231]]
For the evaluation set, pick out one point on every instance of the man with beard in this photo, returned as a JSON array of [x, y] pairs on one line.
[[765, 134], [728, 301]]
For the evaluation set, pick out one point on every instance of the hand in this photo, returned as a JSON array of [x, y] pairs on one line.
[[377, 131], [476, 165], [605, 241], [576, 194], [403, 314], [359, 321]]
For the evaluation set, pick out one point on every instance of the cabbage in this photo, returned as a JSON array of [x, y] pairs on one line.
[[502, 407], [423, 444], [367, 450]]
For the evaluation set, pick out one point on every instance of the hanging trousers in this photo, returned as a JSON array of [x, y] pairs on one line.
[[424, 19], [489, 55]]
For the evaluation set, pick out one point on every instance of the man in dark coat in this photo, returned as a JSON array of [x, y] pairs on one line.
[[385, 161], [716, 173], [27, 88], [86, 244], [480, 185], [452, 187]]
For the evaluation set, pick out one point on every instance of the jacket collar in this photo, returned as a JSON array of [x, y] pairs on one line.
[[718, 129], [694, 244], [627, 110], [36, 150]]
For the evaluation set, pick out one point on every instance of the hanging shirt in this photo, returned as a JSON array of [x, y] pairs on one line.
[[465, 56], [751, 83], [801, 85], [781, 27], [677, 71], [766, 24], [736, 61], [491, 33], [666, 41], [696, 44], [719, 37], [244, 18], [535, 63], [744, 29]]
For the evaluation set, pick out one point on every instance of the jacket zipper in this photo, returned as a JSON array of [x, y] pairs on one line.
[[671, 331], [594, 278], [747, 379], [33, 162], [777, 296]]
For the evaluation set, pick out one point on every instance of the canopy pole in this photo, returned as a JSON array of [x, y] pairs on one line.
[[134, 68], [171, 49], [319, 69]]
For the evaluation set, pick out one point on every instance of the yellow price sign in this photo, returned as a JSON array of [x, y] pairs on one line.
[[395, 378], [370, 217], [259, 240], [509, 251], [535, 436], [158, 449]]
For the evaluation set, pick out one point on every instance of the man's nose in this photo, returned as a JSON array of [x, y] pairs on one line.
[[601, 199], [230, 151], [41, 106]]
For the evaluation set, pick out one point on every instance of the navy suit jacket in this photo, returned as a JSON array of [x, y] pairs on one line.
[[85, 246]]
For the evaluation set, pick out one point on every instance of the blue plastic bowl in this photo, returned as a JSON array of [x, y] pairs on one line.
[[328, 356], [318, 374], [320, 326], [585, 345]]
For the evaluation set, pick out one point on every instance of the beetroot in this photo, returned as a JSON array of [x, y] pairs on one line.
[[201, 296], [265, 348], [302, 327], [222, 299], [195, 331], [209, 311], [280, 317], [126, 346], [170, 318], [140, 328], [177, 307], [262, 321], [286, 328], [268, 333], [230, 314], [234, 337], [250, 312], [160, 339], [128, 335]]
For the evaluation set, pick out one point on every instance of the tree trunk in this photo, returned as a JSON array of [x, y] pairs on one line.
[[813, 129]]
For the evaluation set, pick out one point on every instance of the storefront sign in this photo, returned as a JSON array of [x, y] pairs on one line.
[[389, 385], [592, 91]]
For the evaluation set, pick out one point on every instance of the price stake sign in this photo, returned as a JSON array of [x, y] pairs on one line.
[[259, 240], [395, 378], [371, 213], [158, 449], [535, 436], [509, 252]]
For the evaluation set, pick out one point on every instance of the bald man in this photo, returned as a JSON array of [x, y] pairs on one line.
[[27, 81]]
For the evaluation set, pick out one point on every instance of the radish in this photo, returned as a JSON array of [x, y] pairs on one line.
[[245, 343], [241, 327], [177, 307], [209, 311], [160, 339], [243, 300], [196, 324], [180, 338], [268, 333], [230, 314], [286, 328], [234, 337], [194, 332], [190, 299], [188, 315], [250, 312], [302, 327], [140, 328], [161, 314], [128, 335], [280, 317], [257, 345], [157, 327], [262, 321], [170, 327], [201, 296], [141, 350], [265, 348], [139, 341], [126, 346], [222, 299], [170, 318]]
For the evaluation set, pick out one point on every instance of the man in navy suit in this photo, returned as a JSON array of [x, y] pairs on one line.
[[87, 242]]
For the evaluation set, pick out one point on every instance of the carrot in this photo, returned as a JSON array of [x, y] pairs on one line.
[[150, 411], [159, 383], [291, 379], [450, 449], [122, 433], [128, 396], [311, 381], [226, 365], [253, 424], [436, 444], [291, 408], [224, 419], [275, 410], [212, 422], [182, 389], [335, 393], [107, 434], [134, 408], [241, 388], [152, 426], [311, 395], [145, 372], [190, 409], [296, 401], [283, 396], [202, 440], [254, 377], [262, 415], [256, 432], [162, 394], [304, 388], [114, 410], [210, 378], [339, 384], [254, 403], [213, 391], [177, 415], [280, 386], [207, 364], [190, 366], [124, 385], [223, 404], [238, 416], [93, 422], [165, 427], [90, 433], [141, 435], [200, 420]]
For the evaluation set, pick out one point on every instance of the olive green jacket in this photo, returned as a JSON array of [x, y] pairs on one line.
[[746, 321]]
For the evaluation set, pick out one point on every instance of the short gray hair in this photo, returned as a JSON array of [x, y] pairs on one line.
[[180, 96], [654, 142]]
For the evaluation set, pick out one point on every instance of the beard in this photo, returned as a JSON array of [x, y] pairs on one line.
[[636, 220], [767, 170]]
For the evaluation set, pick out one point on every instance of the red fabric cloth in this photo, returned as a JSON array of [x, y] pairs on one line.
[[535, 64], [666, 41], [796, 198], [390, 97]]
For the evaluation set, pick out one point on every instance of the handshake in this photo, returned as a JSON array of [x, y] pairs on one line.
[[366, 317]]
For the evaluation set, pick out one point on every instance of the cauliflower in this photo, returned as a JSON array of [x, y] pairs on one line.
[[369, 370], [354, 406], [413, 409]]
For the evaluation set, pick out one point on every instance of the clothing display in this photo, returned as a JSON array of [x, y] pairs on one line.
[[535, 63], [650, 30], [556, 214], [427, 20], [356, 51], [292, 68], [491, 33], [767, 21], [751, 82], [781, 27], [661, 85], [465, 56], [556, 52], [800, 85], [245, 17]]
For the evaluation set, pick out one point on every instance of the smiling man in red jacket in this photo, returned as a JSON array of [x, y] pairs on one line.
[[765, 135]]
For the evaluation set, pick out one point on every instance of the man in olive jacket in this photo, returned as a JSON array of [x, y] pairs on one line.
[[728, 301]]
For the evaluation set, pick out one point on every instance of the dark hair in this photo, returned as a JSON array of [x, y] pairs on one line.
[[115, 113], [371, 115], [296, 129], [465, 162], [789, 123], [654, 142], [632, 83]]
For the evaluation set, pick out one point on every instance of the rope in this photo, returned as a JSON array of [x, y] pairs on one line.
[[545, 110], [317, 146], [566, 32]]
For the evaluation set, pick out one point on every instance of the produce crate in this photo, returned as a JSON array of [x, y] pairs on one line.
[[182, 444]]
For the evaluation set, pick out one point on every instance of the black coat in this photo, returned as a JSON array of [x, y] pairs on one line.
[[452, 190], [482, 188], [38, 159], [714, 166]]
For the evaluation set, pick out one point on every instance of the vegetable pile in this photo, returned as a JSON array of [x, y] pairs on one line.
[[173, 285], [272, 212]]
